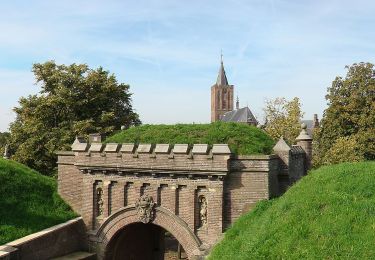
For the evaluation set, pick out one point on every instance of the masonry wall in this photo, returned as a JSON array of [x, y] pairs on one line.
[[252, 178], [175, 181], [69, 180], [98, 180], [56, 241]]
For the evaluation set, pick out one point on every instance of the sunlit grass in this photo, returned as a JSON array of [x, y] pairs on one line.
[[241, 138], [329, 214], [28, 202]]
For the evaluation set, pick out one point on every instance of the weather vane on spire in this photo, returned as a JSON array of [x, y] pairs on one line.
[[221, 55]]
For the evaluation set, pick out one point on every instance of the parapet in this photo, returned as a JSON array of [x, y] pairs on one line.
[[131, 148], [130, 157]]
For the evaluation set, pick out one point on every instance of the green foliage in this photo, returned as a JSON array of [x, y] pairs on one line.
[[28, 201], [350, 113], [345, 149], [329, 214], [283, 118], [74, 100], [241, 138]]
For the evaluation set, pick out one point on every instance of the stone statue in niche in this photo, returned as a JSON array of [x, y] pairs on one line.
[[99, 201], [202, 210], [145, 208]]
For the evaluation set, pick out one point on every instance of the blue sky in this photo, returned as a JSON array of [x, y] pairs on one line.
[[169, 51]]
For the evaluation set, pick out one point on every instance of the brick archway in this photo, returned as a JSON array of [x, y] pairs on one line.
[[163, 218]]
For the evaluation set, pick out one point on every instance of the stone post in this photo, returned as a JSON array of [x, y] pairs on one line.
[[305, 141], [6, 152], [282, 149]]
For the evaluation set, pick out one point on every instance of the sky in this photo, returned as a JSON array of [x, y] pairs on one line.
[[169, 51]]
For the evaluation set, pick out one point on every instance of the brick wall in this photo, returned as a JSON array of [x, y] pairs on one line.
[[98, 180]]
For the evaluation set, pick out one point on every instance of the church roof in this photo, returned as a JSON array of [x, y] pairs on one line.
[[222, 77], [242, 115]]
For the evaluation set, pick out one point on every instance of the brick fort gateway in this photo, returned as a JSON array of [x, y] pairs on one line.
[[130, 195]]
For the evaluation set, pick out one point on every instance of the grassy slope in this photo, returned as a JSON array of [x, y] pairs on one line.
[[242, 139], [330, 214], [28, 202]]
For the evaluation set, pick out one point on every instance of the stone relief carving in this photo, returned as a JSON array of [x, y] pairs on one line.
[[202, 211], [99, 201], [145, 208]]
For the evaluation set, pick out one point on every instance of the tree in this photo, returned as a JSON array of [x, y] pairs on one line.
[[74, 100], [283, 118], [350, 114]]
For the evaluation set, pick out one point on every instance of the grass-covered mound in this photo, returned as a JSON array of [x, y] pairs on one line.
[[28, 202], [241, 138], [329, 214]]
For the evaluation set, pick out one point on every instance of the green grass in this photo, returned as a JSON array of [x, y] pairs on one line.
[[329, 214], [28, 202], [241, 138]]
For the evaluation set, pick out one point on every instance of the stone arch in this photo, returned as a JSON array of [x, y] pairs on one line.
[[163, 218]]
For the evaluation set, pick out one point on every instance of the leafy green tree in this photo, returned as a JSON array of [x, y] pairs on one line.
[[345, 149], [350, 113], [74, 100], [283, 118]]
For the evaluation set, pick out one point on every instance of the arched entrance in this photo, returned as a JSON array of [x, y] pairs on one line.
[[124, 226], [139, 241]]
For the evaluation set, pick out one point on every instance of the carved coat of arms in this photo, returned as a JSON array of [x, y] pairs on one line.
[[145, 208]]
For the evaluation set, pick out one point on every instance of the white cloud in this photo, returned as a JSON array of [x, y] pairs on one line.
[[168, 51]]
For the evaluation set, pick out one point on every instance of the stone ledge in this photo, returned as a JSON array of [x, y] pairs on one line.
[[8, 252], [65, 153], [77, 256], [23, 240], [256, 157]]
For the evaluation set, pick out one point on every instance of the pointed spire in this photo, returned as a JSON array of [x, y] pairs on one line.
[[237, 103], [222, 77]]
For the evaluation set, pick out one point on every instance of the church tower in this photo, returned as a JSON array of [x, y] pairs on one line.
[[221, 95]]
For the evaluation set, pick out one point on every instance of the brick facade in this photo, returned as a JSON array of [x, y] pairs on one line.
[[198, 191]]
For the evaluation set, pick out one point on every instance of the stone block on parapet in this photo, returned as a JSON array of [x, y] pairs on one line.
[[79, 145], [181, 149], [96, 147], [127, 148], [200, 149], [220, 149], [144, 148], [111, 148], [163, 148]]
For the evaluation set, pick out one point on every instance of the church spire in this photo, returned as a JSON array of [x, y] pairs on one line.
[[237, 103], [222, 77]]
